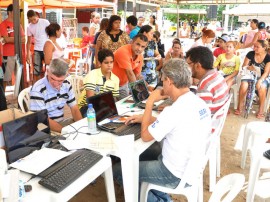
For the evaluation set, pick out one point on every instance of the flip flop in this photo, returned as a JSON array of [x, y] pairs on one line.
[[237, 112], [260, 116], [266, 154]]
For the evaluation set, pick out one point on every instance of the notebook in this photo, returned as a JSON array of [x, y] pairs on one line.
[[107, 116]]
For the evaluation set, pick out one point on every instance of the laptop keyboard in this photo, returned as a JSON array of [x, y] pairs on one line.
[[70, 169], [129, 129]]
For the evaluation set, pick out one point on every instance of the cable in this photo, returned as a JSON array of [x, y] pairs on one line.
[[130, 111]]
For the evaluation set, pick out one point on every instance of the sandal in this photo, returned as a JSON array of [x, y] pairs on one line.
[[260, 116], [237, 112]]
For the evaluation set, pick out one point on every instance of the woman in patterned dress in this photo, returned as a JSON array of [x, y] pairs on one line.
[[151, 54], [112, 38]]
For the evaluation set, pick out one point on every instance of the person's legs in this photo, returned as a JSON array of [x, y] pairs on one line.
[[242, 96], [123, 91], [38, 58], [10, 67], [153, 172], [262, 90]]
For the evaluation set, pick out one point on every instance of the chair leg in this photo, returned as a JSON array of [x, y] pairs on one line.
[[212, 170], [218, 158], [144, 192], [245, 147]]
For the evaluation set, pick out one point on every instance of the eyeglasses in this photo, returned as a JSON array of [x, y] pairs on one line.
[[189, 63]]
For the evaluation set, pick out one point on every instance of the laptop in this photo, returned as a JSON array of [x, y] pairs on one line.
[[107, 116]]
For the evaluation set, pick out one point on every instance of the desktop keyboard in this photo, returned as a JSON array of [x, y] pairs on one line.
[[129, 129], [69, 170]]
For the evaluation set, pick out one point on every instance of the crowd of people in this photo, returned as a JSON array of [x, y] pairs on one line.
[[124, 56]]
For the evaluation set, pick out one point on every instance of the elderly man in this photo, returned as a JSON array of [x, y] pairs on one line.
[[53, 92], [175, 126]]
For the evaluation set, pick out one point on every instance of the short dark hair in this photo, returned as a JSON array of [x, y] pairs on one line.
[[132, 20], [140, 36], [111, 20], [255, 21], [202, 55], [52, 28], [31, 13], [145, 28], [103, 53]]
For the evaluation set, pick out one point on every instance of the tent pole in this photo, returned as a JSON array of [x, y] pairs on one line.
[[177, 34]]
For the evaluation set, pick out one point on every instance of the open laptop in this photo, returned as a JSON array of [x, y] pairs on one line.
[[107, 116]]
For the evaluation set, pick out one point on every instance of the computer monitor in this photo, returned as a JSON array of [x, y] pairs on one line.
[[26, 134], [104, 105]]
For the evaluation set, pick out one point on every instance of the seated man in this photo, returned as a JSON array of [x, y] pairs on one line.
[[212, 87], [100, 80], [52, 93], [175, 126]]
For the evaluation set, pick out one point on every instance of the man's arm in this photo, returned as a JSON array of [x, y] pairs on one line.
[[76, 114], [28, 56], [130, 74], [55, 126]]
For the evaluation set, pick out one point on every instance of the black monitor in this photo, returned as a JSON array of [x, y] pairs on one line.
[[104, 105], [26, 134]]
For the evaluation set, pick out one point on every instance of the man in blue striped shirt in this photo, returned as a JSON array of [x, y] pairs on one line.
[[53, 92]]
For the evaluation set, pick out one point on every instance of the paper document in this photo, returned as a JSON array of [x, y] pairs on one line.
[[101, 141], [39, 160]]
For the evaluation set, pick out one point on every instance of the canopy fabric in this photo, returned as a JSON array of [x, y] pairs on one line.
[[249, 10], [47, 4], [184, 11]]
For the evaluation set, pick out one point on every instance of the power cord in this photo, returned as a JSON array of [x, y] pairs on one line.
[[76, 131]]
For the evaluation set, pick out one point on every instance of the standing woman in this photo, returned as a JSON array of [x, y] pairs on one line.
[[94, 28], [207, 36], [51, 48], [257, 58], [112, 38], [151, 54], [152, 23]]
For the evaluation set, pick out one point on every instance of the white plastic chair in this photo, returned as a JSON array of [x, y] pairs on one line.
[[255, 136], [76, 83], [81, 61], [218, 121], [228, 186], [24, 97], [194, 192]]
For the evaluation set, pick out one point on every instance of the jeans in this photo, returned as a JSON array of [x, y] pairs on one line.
[[154, 172]]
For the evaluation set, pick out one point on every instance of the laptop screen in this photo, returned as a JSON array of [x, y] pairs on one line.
[[104, 105], [138, 91], [25, 134]]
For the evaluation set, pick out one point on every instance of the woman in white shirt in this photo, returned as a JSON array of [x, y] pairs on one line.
[[207, 37], [51, 48]]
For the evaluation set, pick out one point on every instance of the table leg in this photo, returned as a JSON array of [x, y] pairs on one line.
[[108, 177]]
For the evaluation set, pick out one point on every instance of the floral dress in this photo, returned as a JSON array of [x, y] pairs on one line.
[[149, 69]]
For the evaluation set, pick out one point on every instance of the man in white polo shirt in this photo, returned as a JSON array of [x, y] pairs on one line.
[[184, 128], [36, 29]]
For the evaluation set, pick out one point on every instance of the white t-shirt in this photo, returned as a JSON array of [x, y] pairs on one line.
[[96, 26], [199, 42], [184, 127], [38, 32]]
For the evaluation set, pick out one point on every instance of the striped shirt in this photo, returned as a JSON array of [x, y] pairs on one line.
[[95, 81], [44, 96], [213, 90]]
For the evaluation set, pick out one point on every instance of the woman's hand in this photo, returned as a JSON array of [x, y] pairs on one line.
[[251, 68]]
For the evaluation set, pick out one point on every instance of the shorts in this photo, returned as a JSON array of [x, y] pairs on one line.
[[10, 67], [38, 58], [265, 83]]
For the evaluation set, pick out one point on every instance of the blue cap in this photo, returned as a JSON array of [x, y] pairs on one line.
[[90, 105]]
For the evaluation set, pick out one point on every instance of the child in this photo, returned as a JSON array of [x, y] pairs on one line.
[[228, 63], [221, 45], [100, 80], [85, 41]]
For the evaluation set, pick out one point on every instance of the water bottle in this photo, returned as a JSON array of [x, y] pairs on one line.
[[91, 119]]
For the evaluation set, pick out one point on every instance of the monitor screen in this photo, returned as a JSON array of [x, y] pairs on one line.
[[139, 91], [104, 105], [25, 134]]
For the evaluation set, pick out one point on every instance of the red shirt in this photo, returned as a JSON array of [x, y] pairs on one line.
[[6, 29], [218, 51], [85, 41]]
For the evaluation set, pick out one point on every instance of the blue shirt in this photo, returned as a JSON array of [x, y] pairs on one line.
[[134, 32], [44, 96]]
